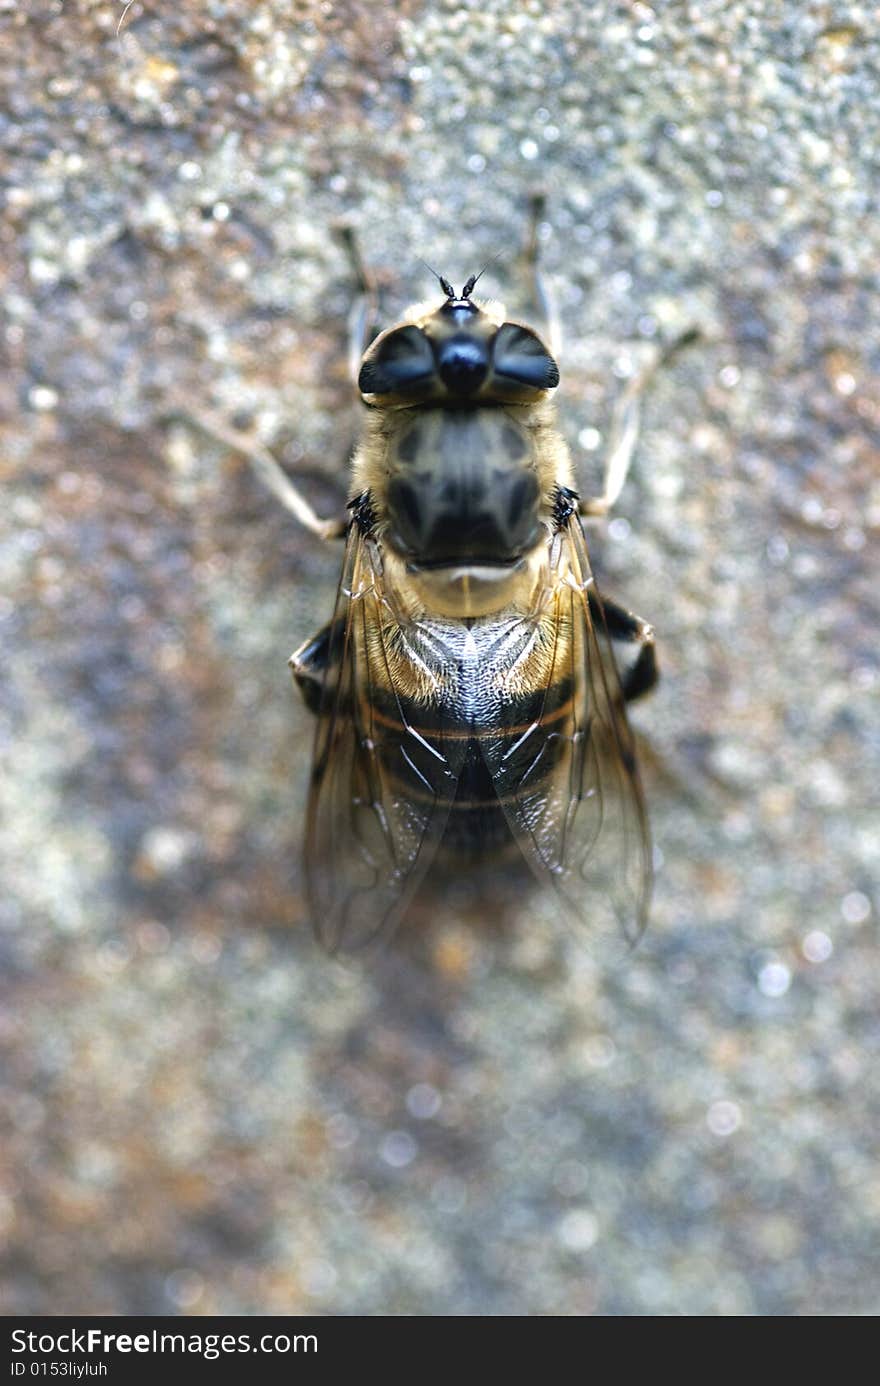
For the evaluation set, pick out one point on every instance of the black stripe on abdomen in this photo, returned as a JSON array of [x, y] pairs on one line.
[[476, 829], [525, 749]]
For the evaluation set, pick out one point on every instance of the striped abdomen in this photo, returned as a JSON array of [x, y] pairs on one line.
[[481, 726]]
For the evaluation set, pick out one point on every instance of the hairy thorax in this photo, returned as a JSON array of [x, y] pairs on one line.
[[463, 500]]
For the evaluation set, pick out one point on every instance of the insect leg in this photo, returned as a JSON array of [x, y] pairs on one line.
[[625, 423], [622, 625], [270, 473], [363, 323], [310, 663], [543, 302]]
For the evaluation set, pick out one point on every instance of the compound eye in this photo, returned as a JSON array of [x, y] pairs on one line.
[[521, 357], [398, 363]]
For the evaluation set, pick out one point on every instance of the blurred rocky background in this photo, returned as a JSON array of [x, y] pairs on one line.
[[203, 1113]]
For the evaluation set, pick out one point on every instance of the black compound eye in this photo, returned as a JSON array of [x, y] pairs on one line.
[[522, 357], [401, 361]]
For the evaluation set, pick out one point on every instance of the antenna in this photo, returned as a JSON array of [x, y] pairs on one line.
[[444, 283], [469, 286]]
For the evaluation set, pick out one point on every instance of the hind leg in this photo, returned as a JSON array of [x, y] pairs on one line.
[[311, 662], [625, 628]]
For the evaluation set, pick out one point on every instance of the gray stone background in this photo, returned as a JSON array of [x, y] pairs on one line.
[[203, 1113]]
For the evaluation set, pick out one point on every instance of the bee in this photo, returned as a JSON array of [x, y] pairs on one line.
[[468, 698]]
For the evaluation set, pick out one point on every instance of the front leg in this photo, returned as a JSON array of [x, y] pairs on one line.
[[543, 304], [363, 321]]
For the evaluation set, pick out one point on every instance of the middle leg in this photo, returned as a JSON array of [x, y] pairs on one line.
[[625, 425], [264, 465], [362, 327]]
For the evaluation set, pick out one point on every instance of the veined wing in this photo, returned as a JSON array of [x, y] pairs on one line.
[[384, 774], [567, 778]]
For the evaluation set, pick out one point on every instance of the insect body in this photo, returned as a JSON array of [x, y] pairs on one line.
[[467, 695]]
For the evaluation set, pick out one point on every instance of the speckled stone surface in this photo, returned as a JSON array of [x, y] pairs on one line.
[[202, 1113]]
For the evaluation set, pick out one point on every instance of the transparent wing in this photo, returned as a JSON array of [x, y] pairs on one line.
[[568, 780], [381, 786]]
